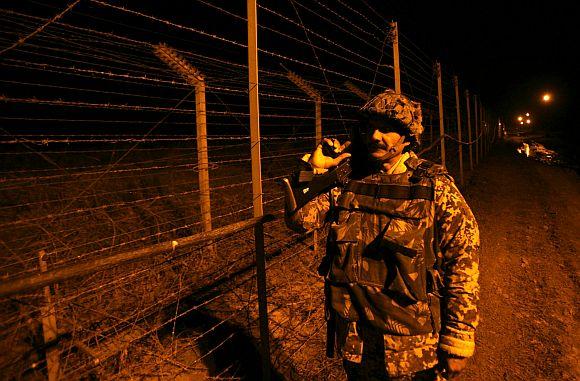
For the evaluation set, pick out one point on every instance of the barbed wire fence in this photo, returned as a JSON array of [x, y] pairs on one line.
[[131, 246]]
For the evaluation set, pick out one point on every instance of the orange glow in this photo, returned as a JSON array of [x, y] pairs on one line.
[[528, 121], [547, 98], [520, 118]]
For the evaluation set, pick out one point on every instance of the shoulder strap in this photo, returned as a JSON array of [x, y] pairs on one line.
[[428, 169], [392, 191]]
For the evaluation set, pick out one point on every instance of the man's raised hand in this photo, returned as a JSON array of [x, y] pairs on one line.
[[319, 161]]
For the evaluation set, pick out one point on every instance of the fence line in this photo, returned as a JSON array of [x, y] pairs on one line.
[[99, 191]]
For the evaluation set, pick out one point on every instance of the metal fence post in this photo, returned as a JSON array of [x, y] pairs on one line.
[[315, 95], [202, 157], [262, 299], [194, 77], [49, 327], [490, 132], [356, 90], [476, 119], [441, 117], [482, 128], [469, 137], [395, 41], [458, 108], [318, 116], [257, 185], [489, 135]]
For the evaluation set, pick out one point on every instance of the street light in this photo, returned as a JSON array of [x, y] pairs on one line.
[[547, 98], [520, 118]]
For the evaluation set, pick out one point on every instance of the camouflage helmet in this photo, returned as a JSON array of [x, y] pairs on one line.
[[398, 108]]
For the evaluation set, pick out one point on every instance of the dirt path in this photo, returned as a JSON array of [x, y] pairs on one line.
[[529, 223]]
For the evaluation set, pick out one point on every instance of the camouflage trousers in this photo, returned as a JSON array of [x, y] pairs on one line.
[[373, 367]]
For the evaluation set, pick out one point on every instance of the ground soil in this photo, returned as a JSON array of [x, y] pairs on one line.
[[529, 223]]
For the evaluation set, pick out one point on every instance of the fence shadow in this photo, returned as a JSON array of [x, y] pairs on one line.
[[227, 350]]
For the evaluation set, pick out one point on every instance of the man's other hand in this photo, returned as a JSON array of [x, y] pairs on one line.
[[452, 365], [319, 161]]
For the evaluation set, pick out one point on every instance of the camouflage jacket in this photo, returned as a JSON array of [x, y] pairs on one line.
[[411, 336]]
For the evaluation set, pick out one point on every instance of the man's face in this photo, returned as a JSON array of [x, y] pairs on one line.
[[383, 143]]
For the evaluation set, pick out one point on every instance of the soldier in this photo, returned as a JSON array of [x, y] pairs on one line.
[[401, 267]]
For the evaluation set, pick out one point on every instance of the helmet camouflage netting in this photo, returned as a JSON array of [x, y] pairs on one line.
[[397, 107]]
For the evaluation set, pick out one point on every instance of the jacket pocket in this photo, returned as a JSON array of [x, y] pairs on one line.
[[435, 310], [344, 247]]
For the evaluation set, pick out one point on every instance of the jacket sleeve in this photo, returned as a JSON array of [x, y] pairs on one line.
[[458, 235], [312, 215]]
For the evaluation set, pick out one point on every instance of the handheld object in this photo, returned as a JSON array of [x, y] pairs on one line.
[[304, 185]]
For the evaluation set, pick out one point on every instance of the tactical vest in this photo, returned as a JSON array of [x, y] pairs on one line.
[[383, 253]]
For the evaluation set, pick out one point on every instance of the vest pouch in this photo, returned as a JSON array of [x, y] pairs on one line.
[[396, 269]]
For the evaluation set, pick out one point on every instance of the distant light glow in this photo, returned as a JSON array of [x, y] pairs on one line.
[[527, 114], [528, 121], [520, 118], [527, 150], [547, 98], [521, 122]]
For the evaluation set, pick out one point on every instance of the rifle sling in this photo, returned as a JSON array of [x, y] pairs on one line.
[[392, 191]]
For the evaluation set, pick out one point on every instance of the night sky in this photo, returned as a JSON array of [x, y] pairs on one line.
[[511, 52], [508, 52]]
